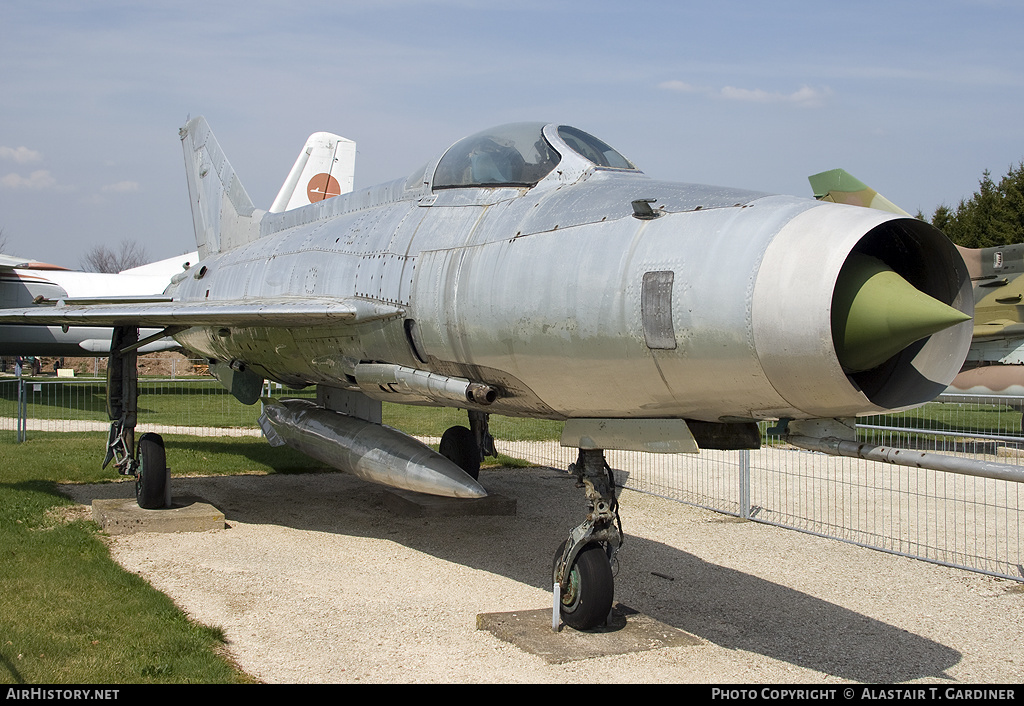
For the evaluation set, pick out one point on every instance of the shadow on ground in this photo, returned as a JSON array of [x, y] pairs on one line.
[[721, 605]]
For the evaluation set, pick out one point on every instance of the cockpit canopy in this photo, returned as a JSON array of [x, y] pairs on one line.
[[518, 154]]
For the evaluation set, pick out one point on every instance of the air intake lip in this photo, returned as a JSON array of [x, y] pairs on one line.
[[852, 342]]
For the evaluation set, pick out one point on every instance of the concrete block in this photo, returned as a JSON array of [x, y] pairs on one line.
[[186, 514], [627, 631]]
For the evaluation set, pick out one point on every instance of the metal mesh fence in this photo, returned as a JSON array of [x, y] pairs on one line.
[[963, 521]]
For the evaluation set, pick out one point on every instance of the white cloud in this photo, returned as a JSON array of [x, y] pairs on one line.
[[21, 155], [122, 187], [39, 179], [806, 96], [678, 86]]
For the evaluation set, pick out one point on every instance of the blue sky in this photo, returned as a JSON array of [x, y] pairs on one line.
[[915, 98]]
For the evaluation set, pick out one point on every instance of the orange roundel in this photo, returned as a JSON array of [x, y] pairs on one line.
[[322, 186]]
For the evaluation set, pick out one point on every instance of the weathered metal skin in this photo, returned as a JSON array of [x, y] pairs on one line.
[[23, 284], [537, 293], [531, 270]]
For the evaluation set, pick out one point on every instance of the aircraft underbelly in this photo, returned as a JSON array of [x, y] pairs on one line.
[[80, 341]]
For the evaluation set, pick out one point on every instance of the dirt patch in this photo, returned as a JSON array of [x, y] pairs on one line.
[[66, 514]]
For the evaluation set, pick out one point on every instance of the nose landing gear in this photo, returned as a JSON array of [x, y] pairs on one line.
[[582, 568]]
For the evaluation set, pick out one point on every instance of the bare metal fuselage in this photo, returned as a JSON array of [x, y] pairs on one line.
[[572, 307], [531, 270]]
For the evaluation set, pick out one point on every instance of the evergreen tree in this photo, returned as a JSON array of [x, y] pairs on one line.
[[994, 215]]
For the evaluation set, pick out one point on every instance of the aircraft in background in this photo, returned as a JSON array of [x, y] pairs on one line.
[[995, 362], [25, 282], [325, 167], [531, 270]]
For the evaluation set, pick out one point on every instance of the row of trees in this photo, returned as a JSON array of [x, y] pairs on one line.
[[994, 215]]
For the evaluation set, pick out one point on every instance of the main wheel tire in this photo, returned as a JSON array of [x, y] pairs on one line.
[[458, 445], [587, 599], [153, 481]]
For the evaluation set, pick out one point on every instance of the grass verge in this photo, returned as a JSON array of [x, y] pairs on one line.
[[70, 615]]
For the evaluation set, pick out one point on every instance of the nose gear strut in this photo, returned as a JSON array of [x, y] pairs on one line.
[[582, 567]]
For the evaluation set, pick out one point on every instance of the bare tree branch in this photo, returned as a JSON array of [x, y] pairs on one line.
[[103, 259]]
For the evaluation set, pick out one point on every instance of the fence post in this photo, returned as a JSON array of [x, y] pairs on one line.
[[22, 410], [745, 484]]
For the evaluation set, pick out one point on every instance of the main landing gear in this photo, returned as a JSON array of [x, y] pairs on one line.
[[146, 461], [582, 568], [466, 448]]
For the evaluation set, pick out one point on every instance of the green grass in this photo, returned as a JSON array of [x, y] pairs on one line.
[[194, 402], [204, 403], [70, 615], [76, 457], [960, 424], [991, 419], [432, 421]]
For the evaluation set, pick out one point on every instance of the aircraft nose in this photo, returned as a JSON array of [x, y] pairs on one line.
[[882, 313], [876, 313]]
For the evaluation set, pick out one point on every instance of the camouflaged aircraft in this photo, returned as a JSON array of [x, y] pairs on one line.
[[531, 270]]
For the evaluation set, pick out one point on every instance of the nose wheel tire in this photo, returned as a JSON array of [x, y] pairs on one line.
[[589, 590], [152, 480]]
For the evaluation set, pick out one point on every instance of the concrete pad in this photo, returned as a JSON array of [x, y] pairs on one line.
[[627, 631], [409, 504], [186, 514]]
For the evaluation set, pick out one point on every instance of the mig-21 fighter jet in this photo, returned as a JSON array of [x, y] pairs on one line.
[[531, 270]]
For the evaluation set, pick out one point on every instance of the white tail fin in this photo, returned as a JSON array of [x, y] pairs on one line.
[[222, 212], [326, 167]]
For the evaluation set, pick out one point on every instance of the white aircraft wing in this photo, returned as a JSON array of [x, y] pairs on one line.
[[7, 262]]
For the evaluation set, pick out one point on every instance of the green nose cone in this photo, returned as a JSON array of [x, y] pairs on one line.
[[876, 314]]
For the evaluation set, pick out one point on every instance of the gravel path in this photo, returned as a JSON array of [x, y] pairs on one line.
[[315, 581]]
